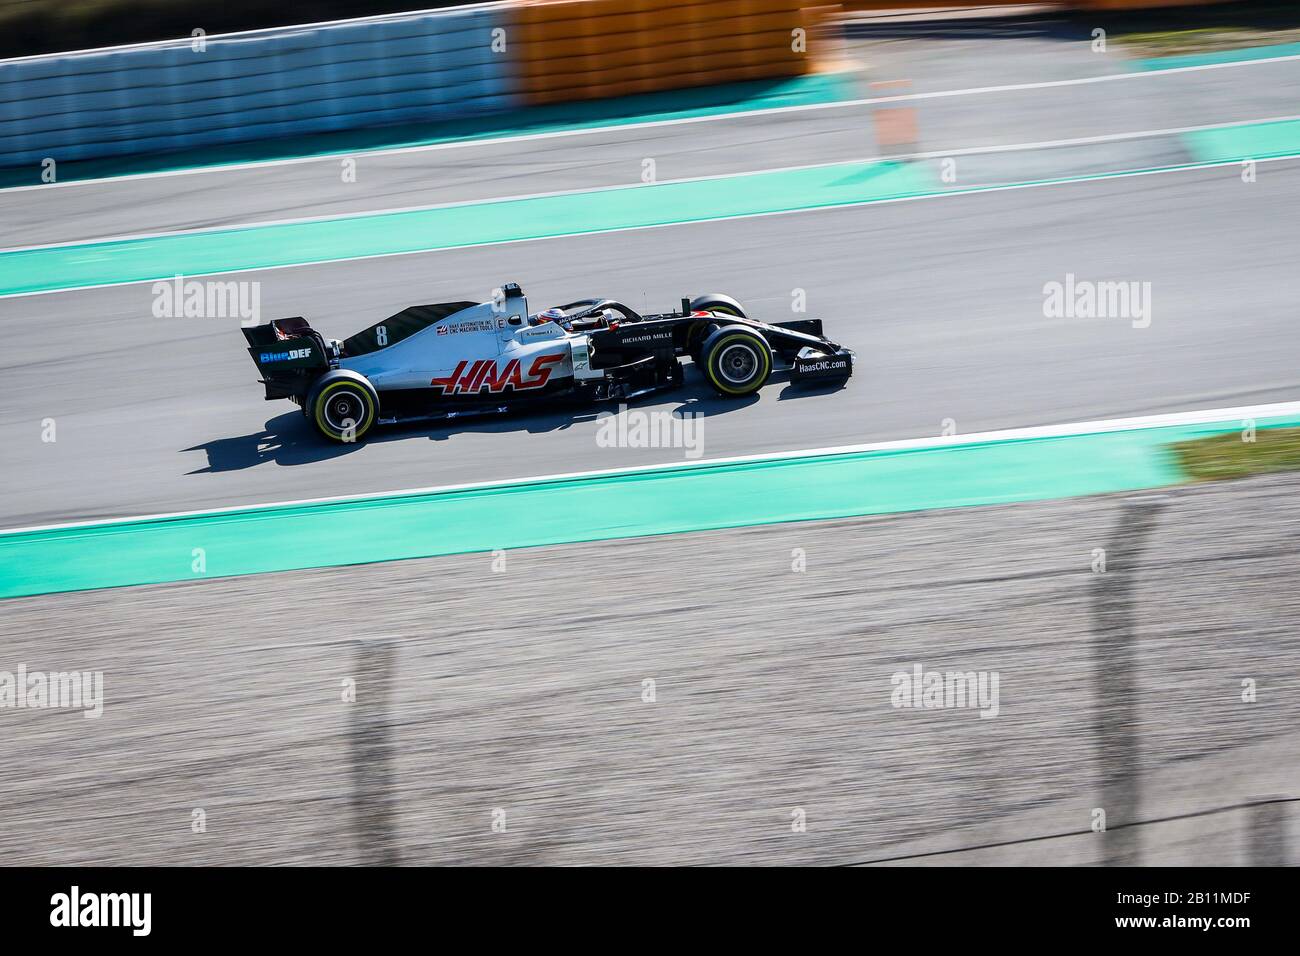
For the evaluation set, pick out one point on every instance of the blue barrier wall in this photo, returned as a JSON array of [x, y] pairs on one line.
[[285, 82]]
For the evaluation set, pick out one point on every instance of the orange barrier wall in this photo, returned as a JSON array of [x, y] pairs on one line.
[[590, 49]]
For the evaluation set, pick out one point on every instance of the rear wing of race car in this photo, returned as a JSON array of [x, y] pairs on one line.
[[290, 354]]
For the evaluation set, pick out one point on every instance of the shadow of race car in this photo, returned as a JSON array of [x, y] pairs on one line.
[[453, 359]]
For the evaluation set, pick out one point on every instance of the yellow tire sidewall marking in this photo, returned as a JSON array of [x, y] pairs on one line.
[[756, 345]]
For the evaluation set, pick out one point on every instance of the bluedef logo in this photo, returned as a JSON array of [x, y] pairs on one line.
[[267, 358]]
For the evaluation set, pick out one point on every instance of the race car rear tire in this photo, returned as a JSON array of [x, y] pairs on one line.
[[717, 302], [342, 405], [737, 360]]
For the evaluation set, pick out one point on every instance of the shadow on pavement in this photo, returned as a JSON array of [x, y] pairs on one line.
[[288, 439]]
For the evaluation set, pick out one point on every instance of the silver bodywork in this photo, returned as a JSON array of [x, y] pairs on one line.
[[496, 331]]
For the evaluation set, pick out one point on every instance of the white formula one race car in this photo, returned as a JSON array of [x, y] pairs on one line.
[[455, 359]]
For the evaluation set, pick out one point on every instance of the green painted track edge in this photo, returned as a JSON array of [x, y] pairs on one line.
[[1243, 54], [1139, 459], [56, 285]]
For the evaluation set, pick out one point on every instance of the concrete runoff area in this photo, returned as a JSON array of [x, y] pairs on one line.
[[517, 697]]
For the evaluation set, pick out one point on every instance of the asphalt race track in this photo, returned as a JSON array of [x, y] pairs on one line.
[[942, 298]]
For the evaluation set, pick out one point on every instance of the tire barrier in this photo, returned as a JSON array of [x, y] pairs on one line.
[[203, 92], [592, 49]]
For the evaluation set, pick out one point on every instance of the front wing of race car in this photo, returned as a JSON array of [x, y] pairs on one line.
[[812, 365]]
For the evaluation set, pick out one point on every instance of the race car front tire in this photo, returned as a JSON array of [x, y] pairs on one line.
[[342, 405], [737, 360], [696, 336]]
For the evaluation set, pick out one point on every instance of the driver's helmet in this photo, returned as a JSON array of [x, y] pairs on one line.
[[550, 315]]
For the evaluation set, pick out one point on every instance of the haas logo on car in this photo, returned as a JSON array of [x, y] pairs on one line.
[[469, 378]]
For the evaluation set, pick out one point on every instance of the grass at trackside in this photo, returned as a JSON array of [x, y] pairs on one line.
[[1205, 40], [1233, 456], [1205, 29]]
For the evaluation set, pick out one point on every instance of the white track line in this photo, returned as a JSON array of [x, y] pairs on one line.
[[679, 121], [967, 191], [1201, 417], [712, 177]]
